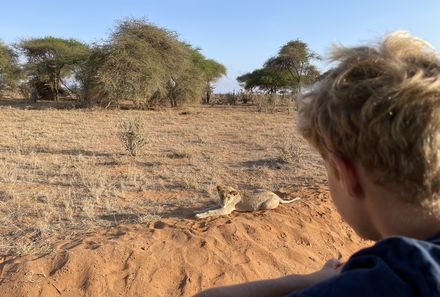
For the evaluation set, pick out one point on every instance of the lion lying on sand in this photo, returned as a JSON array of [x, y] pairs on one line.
[[231, 199]]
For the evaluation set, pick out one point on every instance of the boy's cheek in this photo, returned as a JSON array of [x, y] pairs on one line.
[[340, 200]]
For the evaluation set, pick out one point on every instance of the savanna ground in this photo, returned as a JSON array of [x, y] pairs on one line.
[[65, 176]]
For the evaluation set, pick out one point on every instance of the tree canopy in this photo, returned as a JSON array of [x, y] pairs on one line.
[[51, 59], [267, 79], [210, 69], [148, 65], [287, 71], [295, 57]]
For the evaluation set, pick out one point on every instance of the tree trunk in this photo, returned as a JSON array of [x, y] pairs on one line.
[[55, 84], [173, 101], [34, 95], [208, 96], [208, 93], [56, 89]]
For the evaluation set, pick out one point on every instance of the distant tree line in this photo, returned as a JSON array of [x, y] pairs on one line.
[[143, 64], [139, 62], [286, 73]]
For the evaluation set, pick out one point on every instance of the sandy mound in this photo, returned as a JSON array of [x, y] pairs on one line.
[[179, 257]]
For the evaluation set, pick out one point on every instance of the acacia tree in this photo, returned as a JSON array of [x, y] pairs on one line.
[[138, 62], [124, 68], [50, 60], [145, 64], [210, 69], [9, 69], [266, 79], [295, 57]]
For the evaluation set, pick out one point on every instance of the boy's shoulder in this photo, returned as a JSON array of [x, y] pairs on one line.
[[396, 266]]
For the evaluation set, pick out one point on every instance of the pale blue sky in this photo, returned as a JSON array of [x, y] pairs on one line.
[[241, 34]]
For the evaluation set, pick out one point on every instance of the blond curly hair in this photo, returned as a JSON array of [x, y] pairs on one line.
[[380, 105]]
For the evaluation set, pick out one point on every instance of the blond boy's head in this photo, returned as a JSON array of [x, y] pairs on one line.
[[380, 106]]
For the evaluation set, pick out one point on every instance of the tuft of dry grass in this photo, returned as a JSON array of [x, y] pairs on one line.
[[290, 151], [64, 172], [132, 135], [22, 139]]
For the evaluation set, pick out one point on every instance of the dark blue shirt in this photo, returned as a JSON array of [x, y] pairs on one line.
[[396, 266]]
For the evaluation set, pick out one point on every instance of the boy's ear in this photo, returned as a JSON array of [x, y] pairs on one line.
[[347, 173]]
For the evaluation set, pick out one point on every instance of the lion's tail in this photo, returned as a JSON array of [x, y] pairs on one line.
[[289, 201]]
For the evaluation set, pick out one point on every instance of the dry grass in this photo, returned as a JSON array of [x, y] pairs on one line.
[[65, 172], [290, 151]]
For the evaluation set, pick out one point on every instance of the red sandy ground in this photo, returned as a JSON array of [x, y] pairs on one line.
[[181, 256]]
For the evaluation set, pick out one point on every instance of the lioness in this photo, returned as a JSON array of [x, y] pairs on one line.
[[231, 199]]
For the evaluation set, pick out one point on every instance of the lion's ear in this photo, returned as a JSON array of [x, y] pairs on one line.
[[219, 188]]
